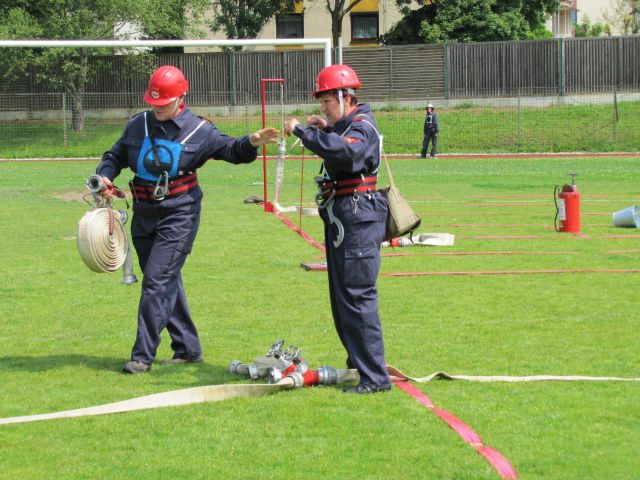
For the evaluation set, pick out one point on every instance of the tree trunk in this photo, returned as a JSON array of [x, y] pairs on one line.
[[337, 15], [77, 95], [77, 111], [336, 28]]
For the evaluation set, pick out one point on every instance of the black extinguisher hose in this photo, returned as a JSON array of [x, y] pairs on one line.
[[556, 190]]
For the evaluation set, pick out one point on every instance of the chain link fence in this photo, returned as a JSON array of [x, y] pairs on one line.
[[64, 125]]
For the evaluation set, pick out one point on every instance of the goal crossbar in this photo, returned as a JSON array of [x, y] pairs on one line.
[[325, 43]]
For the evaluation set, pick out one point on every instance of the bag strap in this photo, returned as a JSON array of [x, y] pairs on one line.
[[363, 118]]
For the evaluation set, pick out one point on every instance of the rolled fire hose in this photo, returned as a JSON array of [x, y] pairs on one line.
[[100, 249], [101, 238]]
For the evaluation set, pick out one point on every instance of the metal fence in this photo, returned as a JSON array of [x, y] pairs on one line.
[[559, 66], [535, 122], [496, 96], [228, 78], [404, 72]]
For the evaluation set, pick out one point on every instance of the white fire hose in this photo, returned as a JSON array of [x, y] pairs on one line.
[[285, 370], [102, 239]]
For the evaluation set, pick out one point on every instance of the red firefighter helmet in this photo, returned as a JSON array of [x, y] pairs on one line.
[[165, 85], [336, 77]]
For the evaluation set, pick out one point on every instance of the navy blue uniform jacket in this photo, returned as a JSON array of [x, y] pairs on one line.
[[435, 123], [208, 142], [356, 153]]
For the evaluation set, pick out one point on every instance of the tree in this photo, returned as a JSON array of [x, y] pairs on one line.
[[69, 69], [246, 18], [471, 21], [337, 10], [585, 29], [624, 16]]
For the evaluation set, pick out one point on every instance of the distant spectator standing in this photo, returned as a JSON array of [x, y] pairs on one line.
[[431, 131]]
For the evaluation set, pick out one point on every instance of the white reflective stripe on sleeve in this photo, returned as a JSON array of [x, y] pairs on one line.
[[194, 131]]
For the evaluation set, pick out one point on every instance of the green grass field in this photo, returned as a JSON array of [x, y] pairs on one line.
[[66, 332]]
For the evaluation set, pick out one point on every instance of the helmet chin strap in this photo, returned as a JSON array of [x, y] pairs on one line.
[[177, 109], [341, 101]]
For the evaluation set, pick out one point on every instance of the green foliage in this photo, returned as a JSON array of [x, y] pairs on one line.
[[623, 16], [586, 29], [244, 18], [470, 21], [17, 24], [464, 105], [408, 31], [69, 69]]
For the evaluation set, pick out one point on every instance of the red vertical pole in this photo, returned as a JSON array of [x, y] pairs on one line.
[[268, 206]]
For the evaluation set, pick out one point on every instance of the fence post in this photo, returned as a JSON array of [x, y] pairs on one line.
[[232, 78], [446, 71], [519, 132], [391, 89], [65, 141], [560, 67], [615, 115], [618, 64]]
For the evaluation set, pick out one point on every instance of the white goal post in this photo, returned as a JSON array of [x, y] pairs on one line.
[[324, 42]]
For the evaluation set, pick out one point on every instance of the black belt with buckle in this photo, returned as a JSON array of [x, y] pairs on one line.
[[345, 188], [144, 191]]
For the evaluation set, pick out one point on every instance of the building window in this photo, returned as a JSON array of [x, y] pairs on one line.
[[290, 25], [364, 26]]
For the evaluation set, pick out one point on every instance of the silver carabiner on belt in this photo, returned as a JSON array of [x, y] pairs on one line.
[[160, 191], [333, 220], [326, 203]]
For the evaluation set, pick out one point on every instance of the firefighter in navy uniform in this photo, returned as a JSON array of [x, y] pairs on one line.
[[164, 147], [431, 129], [354, 216]]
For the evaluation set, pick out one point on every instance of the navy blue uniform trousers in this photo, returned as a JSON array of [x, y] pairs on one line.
[[353, 270], [163, 239], [429, 136]]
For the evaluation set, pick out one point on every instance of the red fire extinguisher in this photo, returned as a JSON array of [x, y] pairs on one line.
[[567, 203]]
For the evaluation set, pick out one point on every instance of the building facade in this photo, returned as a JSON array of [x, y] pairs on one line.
[[598, 11], [360, 27], [561, 21]]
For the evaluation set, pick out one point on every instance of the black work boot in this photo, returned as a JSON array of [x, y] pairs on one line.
[[136, 367], [179, 359], [365, 388]]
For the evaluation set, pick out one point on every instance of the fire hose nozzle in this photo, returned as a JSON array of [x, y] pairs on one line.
[[254, 374], [128, 277], [327, 375], [233, 366], [275, 375], [95, 184], [124, 216], [298, 379]]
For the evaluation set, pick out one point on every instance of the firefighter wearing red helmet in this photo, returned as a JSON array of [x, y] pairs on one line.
[[164, 147], [166, 85], [354, 213]]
